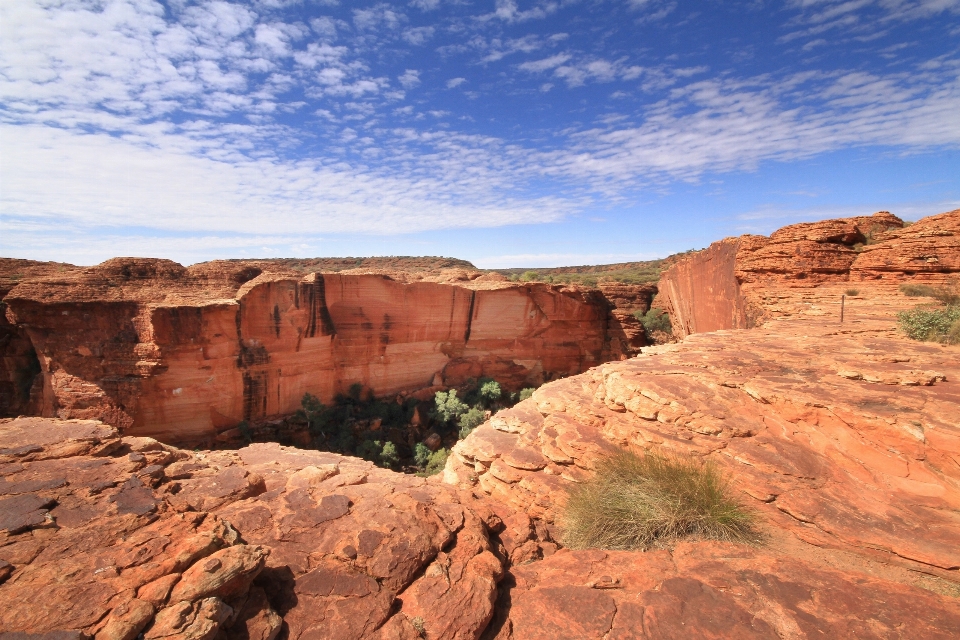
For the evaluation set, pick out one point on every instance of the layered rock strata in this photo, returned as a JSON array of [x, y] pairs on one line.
[[842, 438], [125, 537], [182, 354], [722, 286]]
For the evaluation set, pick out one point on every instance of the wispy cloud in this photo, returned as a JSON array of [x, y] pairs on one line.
[[211, 117]]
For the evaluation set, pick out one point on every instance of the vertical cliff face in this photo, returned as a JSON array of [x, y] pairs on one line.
[[158, 350], [20, 383], [701, 293], [725, 286]]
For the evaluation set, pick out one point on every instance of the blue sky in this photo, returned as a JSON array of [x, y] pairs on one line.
[[505, 132]]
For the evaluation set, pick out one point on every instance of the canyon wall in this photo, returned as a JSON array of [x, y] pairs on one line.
[[181, 354], [729, 284]]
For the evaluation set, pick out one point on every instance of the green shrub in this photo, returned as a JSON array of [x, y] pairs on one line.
[[314, 412], [529, 276], [917, 290], [490, 391], [470, 420], [934, 325], [948, 294], [388, 456], [448, 406], [637, 502], [370, 450], [654, 320], [438, 460], [852, 292], [421, 454], [526, 393]]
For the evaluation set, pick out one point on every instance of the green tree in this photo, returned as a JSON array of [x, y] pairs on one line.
[[526, 393], [370, 450], [438, 460], [314, 412], [470, 420], [421, 454], [490, 392], [388, 456], [448, 406]]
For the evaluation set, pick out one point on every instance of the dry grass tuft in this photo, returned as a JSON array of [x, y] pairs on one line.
[[642, 501]]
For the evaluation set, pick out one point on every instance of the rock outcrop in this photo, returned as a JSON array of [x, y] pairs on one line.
[[126, 536], [182, 354], [843, 439], [724, 286], [925, 250], [848, 454], [19, 366]]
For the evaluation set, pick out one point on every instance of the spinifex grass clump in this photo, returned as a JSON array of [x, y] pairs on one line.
[[641, 501]]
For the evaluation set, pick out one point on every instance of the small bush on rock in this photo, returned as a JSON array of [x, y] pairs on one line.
[[641, 501], [526, 393], [852, 292], [936, 325]]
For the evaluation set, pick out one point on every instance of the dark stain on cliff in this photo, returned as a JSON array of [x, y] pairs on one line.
[[276, 320], [254, 395], [315, 295], [249, 355], [473, 299], [385, 334]]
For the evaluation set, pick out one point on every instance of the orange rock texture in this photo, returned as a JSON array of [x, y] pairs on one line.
[[842, 438], [126, 536], [723, 286], [183, 353]]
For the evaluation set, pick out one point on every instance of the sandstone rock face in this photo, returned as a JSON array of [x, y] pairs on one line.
[[725, 285], [126, 536], [928, 249], [19, 367], [843, 439], [182, 354], [702, 293]]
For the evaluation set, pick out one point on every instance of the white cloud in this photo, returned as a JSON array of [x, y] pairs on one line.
[[508, 11], [581, 71], [418, 35], [453, 83], [425, 5], [96, 180], [546, 63], [409, 79], [380, 16]]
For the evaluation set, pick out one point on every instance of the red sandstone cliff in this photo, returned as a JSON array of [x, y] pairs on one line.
[[726, 286], [182, 353]]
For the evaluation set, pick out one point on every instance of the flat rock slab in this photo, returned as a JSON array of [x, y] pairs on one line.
[[238, 543], [711, 590]]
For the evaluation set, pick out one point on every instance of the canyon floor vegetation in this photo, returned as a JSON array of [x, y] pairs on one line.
[[379, 430], [639, 501]]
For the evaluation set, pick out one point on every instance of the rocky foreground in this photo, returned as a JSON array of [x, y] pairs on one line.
[[843, 438]]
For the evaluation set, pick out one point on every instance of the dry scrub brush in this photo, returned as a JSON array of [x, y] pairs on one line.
[[642, 501]]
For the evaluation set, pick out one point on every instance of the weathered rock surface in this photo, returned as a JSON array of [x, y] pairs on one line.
[[844, 439], [725, 285], [712, 590], [247, 543], [182, 354], [926, 249]]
